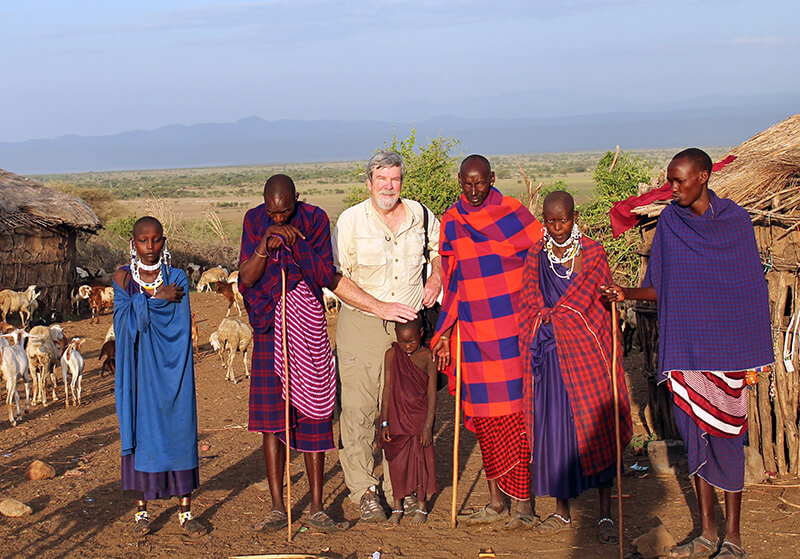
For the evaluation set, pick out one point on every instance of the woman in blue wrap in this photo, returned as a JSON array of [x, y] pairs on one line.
[[154, 383]]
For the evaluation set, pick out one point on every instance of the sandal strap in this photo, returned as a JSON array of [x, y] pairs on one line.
[[184, 517], [564, 520], [606, 519], [419, 511]]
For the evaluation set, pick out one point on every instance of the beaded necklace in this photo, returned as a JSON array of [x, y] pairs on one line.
[[155, 284], [572, 246]]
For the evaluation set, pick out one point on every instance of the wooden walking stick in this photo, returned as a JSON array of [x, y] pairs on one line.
[[456, 428], [284, 342], [615, 391]]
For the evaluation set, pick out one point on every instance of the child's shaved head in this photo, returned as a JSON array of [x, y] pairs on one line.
[[559, 197], [147, 220]]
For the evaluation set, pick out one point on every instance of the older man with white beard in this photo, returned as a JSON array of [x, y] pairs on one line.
[[378, 255]]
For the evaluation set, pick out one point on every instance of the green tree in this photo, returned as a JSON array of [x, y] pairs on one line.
[[430, 172], [618, 184]]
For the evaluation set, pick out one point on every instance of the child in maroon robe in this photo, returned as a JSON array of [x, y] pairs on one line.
[[409, 405]]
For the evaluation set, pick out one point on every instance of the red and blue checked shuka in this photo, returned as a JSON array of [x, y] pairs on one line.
[[483, 251], [566, 342], [714, 324], [309, 265]]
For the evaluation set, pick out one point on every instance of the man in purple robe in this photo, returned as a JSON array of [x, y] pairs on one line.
[[703, 264], [285, 234]]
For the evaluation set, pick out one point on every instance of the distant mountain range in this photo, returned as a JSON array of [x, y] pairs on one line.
[[249, 141]]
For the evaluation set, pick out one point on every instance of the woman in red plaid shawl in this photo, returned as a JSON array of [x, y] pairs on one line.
[[283, 232], [565, 341], [484, 239]]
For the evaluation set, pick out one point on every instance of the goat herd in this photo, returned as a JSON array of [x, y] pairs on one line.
[[32, 355]]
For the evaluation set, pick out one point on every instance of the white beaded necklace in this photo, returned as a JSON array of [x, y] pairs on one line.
[[156, 283], [573, 248]]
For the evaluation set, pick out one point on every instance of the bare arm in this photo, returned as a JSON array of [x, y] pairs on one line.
[[615, 293], [434, 284], [387, 381], [426, 438], [347, 290], [251, 270], [441, 351]]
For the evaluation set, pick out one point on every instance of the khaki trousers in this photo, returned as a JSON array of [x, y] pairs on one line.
[[361, 343]]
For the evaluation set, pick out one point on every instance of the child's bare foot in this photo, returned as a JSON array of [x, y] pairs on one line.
[[394, 520], [419, 517]]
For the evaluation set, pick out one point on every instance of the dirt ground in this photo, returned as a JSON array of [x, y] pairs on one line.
[[82, 511]]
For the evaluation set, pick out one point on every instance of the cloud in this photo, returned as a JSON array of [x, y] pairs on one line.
[[283, 18]]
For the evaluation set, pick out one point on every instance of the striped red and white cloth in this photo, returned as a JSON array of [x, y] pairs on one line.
[[312, 374], [715, 400]]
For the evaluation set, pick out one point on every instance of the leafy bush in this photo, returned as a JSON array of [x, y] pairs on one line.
[[612, 186], [430, 173]]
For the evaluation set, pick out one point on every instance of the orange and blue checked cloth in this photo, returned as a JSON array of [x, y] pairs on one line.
[[483, 251], [582, 323]]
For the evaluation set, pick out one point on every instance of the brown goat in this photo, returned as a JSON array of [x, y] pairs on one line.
[[233, 296], [109, 352]]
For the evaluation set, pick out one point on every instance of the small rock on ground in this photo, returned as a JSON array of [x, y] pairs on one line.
[[12, 507], [40, 470]]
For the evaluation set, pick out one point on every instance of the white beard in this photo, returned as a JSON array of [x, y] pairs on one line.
[[385, 203]]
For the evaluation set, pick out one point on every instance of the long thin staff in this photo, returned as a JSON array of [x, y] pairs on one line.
[[456, 428], [615, 391], [286, 417]]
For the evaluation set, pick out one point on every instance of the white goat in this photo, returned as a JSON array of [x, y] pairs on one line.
[[193, 272], [72, 360], [14, 364], [43, 351], [232, 335], [210, 276], [21, 302], [110, 334]]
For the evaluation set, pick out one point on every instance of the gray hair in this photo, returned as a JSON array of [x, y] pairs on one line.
[[384, 160]]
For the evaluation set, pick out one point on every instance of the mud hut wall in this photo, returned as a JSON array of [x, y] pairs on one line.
[[41, 256]]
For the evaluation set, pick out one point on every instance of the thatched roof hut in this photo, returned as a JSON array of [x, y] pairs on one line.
[[764, 178], [38, 230]]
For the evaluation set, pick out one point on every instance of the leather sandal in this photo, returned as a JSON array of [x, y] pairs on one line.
[[553, 524], [695, 549]]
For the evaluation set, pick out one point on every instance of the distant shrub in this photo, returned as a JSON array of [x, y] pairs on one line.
[[430, 173], [122, 226]]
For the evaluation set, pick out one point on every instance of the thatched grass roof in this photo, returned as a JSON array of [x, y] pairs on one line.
[[764, 178], [24, 202]]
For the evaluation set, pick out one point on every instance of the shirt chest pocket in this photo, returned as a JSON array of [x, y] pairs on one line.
[[372, 263]]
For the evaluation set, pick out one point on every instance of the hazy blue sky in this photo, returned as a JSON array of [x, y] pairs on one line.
[[103, 67]]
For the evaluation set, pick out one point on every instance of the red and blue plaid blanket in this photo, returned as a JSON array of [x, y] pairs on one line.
[[582, 325], [311, 260], [483, 251]]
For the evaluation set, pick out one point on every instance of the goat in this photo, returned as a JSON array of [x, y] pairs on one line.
[[72, 361], [50, 317], [232, 335], [193, 272], [14, 365], [109, 352], [5, 328], [43, 350], [22, 302], [82, 274], [330, 301], [110, 334], [232, 295], [99, 298], [103, 278], [212, 275], [195, 337], [628, 327]]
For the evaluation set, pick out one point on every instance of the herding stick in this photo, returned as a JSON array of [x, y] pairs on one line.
[[456, 428], [284, 342], [615, 391]]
